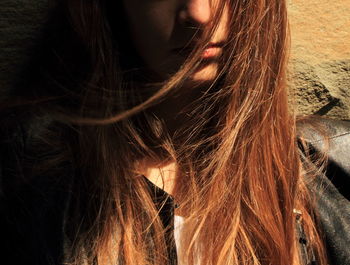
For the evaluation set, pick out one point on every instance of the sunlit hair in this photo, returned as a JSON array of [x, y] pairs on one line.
[[240, 171]]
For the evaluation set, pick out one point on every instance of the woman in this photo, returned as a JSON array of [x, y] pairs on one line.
[[188, 96]]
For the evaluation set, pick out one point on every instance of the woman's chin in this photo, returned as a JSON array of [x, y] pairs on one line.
[[206, 73]]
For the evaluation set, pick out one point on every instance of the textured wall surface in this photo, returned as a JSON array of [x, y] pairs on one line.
[[320, 57]]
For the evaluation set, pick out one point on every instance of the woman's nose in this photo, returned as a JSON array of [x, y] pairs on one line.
[[197, 12]]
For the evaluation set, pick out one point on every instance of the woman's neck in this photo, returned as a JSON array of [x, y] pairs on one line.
[[162, 174]]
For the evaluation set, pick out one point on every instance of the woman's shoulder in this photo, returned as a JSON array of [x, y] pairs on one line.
[[21, 128], [324, 133], [19, 125], [30, 142], [330, 138], [330, 134], [15, 130]]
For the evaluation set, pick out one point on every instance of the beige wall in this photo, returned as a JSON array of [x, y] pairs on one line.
[[320, 57]]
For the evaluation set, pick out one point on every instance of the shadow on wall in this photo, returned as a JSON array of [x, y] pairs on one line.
[[21, 25], [322, 89]]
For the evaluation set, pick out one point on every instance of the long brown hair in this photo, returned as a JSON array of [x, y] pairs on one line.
[[238, 157]]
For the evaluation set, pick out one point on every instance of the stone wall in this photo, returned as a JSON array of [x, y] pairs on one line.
[[320, 50], [320, 57]]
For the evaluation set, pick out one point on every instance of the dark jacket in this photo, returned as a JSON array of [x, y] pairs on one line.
[[332, 189], [33, 211]]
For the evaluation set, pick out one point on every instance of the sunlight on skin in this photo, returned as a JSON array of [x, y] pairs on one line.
[[207, 73], [162, 176]]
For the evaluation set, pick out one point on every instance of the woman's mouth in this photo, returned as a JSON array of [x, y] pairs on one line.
[[211, 52]]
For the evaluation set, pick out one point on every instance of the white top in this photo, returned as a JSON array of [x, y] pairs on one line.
[[178, 224]]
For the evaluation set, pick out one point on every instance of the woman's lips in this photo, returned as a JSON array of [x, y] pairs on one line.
[[211, 52]]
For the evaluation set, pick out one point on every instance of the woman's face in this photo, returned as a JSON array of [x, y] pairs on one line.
[[165, 31]]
